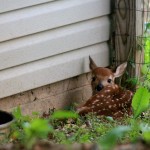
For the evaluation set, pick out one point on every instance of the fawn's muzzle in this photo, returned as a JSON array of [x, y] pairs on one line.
[[99, 87]]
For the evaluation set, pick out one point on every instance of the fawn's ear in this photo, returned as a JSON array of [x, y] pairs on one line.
[[120, 70], [92, 64]]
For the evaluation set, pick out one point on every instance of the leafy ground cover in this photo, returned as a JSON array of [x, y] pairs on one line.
[[66, 127]]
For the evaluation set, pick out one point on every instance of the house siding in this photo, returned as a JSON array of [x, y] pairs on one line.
[[44, 42]]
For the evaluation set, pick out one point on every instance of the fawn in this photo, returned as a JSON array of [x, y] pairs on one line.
[[108, 99]]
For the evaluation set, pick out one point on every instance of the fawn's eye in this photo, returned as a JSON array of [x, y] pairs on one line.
[[93, 79], [109, 80]]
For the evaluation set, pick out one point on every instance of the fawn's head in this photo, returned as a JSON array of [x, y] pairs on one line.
[[102, 77]]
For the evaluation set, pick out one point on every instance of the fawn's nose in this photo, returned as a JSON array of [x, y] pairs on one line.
[[99, 87]]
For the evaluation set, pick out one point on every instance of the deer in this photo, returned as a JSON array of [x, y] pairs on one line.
[[108, 98]]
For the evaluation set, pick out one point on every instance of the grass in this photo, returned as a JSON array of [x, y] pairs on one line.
[[66, 127]]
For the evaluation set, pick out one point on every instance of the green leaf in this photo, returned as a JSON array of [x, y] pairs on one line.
[[110, 139], [63, 114], [140, 101], [110, 119], [19, 117], [133, 81], [37, 129], [145, 69], [145, 128], [148, 25], [84, 138], [146, 136], [147, 82], [17, 113]]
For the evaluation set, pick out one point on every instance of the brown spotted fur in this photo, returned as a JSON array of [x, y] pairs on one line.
[[112, 100]]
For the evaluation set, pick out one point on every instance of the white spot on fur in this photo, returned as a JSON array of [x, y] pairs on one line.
[[107, 91], [108, 96], [98, 96], [109, 106], [113, 87], [102, 95], [96, 101], [93, 106]]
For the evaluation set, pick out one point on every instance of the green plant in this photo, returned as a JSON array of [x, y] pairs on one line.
[[146, 76], [111, 138], [17, 126], [36, 129], [28, 129], [64, 114], [145, 128], [66, 127], [141, 101]]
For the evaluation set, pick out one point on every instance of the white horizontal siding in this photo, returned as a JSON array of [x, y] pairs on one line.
[[50, 15], [42, 42], [45, 44], [8, 5], [52, 69]]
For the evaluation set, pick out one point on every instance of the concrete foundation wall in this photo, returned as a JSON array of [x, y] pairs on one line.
[[57, 95]]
